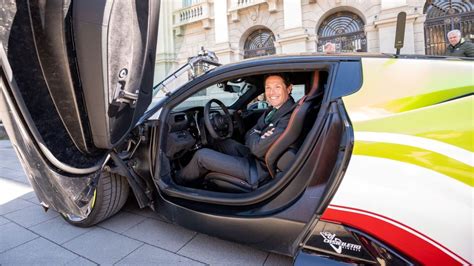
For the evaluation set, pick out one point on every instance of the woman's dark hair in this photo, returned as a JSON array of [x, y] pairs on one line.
[[283, 76]]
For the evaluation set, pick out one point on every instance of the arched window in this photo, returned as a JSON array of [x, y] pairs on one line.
[[346, 30], [259, 43], [443, 16]]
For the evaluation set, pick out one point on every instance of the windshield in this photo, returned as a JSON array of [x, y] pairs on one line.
[[160, 92], [195, 67], [228, 93]]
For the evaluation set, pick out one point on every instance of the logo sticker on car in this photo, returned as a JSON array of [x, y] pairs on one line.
[[337, 244]]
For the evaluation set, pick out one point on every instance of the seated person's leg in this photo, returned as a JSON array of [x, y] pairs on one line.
[[207, 160], [232, 147]]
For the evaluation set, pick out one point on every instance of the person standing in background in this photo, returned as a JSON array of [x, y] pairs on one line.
[[330, 48], [458, 46]]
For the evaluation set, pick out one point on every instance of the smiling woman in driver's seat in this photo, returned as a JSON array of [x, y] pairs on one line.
[[246, 162]]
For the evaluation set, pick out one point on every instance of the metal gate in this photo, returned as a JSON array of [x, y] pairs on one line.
[[259, 43], [346, 30], [443, 16]]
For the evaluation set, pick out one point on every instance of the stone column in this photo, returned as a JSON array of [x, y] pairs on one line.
[[387, 4], [371, 32], [419, 30], [294, 37], [386, 24], [220, 21], [165, 53], [221, 32], [292, 14]]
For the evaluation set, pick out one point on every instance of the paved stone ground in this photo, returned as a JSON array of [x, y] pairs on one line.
[[30, 236]]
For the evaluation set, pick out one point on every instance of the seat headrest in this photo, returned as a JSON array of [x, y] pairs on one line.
[[314, 87], [315, 84]]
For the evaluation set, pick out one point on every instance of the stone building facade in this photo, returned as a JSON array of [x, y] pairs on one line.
[[238, 29]]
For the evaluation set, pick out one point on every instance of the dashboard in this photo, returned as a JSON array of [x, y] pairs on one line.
[[187, 131], [184, 132]]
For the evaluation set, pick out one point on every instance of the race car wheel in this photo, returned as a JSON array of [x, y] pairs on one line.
[[109, 197]]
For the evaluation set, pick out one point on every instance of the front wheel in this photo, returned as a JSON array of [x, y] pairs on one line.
[[109, 197]]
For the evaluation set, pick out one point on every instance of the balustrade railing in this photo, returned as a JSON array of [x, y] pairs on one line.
[[189, 14]]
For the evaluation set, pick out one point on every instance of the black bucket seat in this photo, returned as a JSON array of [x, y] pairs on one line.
[[282, 153]]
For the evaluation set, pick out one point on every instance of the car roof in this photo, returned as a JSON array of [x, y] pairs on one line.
[[357, 56], [301, 57]]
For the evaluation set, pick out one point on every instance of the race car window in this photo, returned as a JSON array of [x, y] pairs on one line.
[[298, 91], [227, 92]]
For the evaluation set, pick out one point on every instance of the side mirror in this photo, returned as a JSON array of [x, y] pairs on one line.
[[232, 88]]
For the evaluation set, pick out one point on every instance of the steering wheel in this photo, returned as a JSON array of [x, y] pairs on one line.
[[218, 125]]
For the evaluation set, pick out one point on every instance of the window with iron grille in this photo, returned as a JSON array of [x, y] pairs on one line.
[[442, 16], [259, 43], [346, 30]]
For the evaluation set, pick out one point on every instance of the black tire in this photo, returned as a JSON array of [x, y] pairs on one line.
[[111, 195]]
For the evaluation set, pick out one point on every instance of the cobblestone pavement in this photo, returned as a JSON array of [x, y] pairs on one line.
[[30, 236]]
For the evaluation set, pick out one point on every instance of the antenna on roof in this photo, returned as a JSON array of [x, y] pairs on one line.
[[400, 31]]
